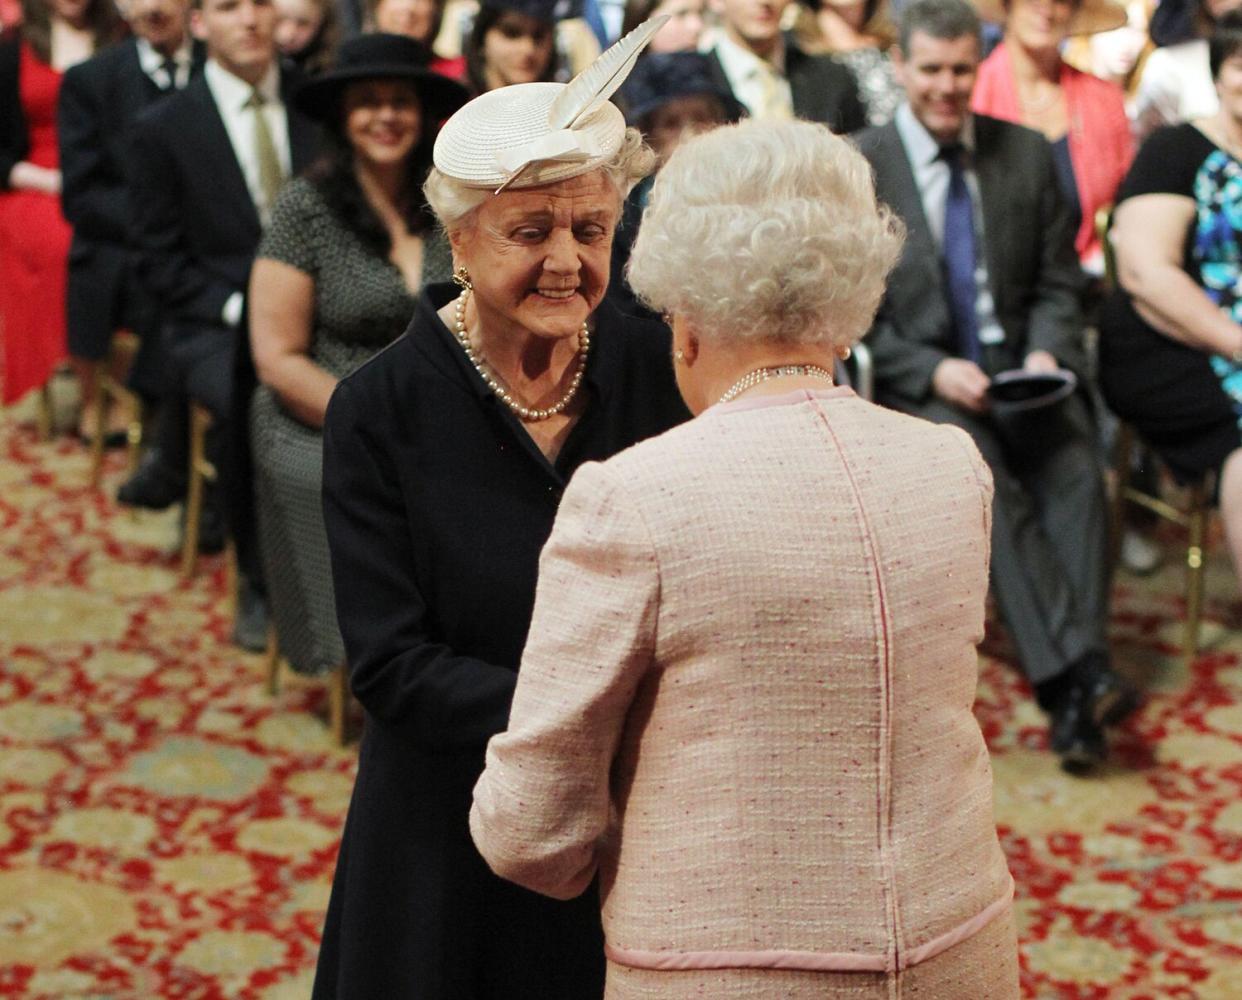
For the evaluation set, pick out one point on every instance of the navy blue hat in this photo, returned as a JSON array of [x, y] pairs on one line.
[[666, 76], [378, 56], [547, 11]]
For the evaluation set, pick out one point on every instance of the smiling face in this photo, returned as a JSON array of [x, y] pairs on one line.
[[938, 75], [238, 34], [383, 120], [516, 49], [538, 258]]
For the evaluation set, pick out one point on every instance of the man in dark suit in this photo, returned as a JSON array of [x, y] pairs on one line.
[[208, 163], [989, 282], [766, 70], [100, 99]]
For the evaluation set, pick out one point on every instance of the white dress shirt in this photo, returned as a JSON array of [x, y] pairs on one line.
[[152, 63], [232, 95], [931, 176], [760, 85]]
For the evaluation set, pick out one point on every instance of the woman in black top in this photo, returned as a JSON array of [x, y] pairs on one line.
[[444, 461], [1171, 334]]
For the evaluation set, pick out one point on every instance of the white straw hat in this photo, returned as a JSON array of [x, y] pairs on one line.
[[1092, 16], [538, 133]]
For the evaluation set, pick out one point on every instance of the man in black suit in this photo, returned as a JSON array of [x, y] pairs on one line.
[[766, 70], [100, 99], [989, 282], [208, 163]]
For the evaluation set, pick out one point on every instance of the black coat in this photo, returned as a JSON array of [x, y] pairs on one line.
[[822, 89], [100, 99], [437, 504]]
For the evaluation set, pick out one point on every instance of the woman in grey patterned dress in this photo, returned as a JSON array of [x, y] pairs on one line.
[[858, 35], [336, 277]]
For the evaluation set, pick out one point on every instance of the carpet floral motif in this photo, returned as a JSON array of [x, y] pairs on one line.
[[169, 829]]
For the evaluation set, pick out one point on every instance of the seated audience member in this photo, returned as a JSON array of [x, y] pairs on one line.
[[308, 32], [1170, 335], [511, 41], [208, 164], [964, 305], [1177, 83], [668, 95], [1119, 55], [336, 278], [100, 100], [773, 77], [708, 701], [682, 32], [419, 20], [1025, 80], [34, 237], [858, 35]]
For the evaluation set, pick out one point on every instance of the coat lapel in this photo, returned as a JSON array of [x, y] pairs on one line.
[[303, 131], [990, 169], [895, 181], [214, 151]]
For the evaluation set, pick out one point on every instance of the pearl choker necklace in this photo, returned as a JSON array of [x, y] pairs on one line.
[[524, 413], [752, 379]]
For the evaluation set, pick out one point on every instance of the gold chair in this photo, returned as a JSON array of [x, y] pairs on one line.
[[339, 696], [108, 387], [45, 420], [201, 472], [1192, 515]]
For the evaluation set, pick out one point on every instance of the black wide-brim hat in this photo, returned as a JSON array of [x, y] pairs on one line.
[[381, 56]]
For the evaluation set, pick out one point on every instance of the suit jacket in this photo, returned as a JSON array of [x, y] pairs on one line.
[[801, 775], [823, 90], [196, 225], [100, 100], [14, 141], [1033, 270]]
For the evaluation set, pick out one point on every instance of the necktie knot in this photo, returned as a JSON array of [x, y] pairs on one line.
[[955, 155], [169, 66], [256, 100]]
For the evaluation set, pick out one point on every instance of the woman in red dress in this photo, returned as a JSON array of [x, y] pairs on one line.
[[34, 237]]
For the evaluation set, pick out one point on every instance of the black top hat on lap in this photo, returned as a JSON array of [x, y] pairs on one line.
[[381, 56], [1019, 391], [662, 77]]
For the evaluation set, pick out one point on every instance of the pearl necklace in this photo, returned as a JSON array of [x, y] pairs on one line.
[[524, 413], [752, 379]]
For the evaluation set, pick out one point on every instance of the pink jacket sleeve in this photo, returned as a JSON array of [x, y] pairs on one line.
[[543, 801]]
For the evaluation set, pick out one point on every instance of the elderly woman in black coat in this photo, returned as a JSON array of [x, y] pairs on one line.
[[445, 457]]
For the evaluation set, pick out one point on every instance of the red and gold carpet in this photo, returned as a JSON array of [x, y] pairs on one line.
[[168, 829]]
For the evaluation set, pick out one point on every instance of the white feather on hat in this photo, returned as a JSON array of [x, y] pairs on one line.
[[539, 133]]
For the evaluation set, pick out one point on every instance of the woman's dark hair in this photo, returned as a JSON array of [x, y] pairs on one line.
[[476, 66], [333, 175], [636, 12], [1225, 40], [36, 28]]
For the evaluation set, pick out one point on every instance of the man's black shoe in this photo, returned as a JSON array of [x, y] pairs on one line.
[[154, 486], [1074, 735], [1111, 697], [250, 622]]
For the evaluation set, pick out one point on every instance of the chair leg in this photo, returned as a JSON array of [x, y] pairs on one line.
[[133, 435], [46, 416], [1117, 509], [272, 661], [338, 704], [193, 509], [99, 397], [1197, 527]]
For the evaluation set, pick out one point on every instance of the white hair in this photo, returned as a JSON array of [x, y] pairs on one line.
[[767, 230], [454, 202]]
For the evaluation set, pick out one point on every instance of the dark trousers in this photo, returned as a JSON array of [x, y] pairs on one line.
[[203, 368], [1049, 530]]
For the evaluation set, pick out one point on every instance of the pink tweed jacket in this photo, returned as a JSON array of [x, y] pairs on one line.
[[746, 698]]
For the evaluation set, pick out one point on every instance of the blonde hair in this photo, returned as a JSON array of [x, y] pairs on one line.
[[767, 230]]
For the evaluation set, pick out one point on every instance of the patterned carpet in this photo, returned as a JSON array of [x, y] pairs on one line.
[[168, 829]]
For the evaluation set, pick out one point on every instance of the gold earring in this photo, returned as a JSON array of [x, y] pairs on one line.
[[845, 354], [679, 357], [461, 278]]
